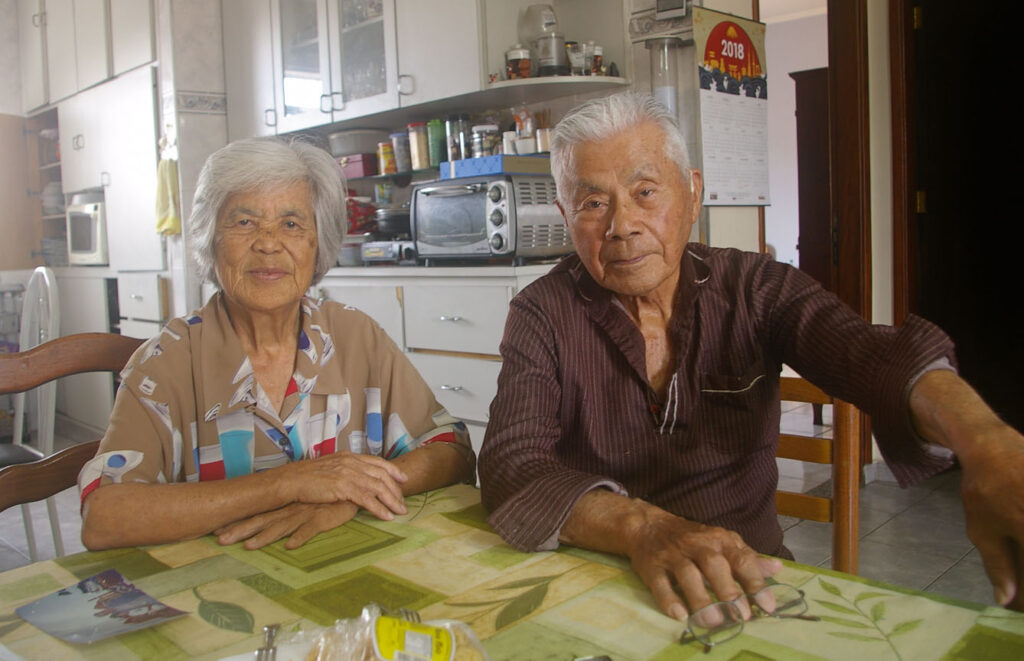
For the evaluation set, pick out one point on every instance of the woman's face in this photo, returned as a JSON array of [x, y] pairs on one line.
[[265, 246]]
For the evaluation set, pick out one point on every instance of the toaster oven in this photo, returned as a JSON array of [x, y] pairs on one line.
[[493, 216]]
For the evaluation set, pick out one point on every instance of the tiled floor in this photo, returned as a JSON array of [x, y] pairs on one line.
[[914, 537]]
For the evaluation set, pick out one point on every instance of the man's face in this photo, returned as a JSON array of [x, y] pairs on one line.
[[629, 211]]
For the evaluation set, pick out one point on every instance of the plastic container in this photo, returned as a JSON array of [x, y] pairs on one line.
[[419, 146], [486, 140], [436, 142], [355, 141], [400, 145]]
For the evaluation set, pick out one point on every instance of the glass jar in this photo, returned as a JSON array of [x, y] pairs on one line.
[[400, 144], [458, 136], [517, 63], [486, 140], [386, 158], [419, 148]]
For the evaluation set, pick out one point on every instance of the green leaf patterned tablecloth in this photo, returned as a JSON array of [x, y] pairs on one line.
[[443, 560]]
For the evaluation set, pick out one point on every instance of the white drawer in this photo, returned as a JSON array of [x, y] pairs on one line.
[[140, 296], [457, 318], [464, 386], [382, 304]]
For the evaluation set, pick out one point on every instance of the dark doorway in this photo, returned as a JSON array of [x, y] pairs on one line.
[[956, 245], [816, 244]]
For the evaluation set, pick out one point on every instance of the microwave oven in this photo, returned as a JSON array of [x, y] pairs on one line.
[[487, 217], [86, 230]]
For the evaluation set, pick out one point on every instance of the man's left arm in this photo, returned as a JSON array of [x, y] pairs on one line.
[[947, 411]]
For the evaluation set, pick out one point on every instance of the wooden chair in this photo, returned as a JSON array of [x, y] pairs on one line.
[[26, 475], [842, 451]]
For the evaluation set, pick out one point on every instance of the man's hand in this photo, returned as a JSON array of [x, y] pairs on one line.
[[946, 410], [370, 482], [993, 493], [669, 553], [299, 520]]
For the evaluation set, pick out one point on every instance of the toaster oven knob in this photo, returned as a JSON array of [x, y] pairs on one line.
[[495, 193], [497, 242], [497, 217]]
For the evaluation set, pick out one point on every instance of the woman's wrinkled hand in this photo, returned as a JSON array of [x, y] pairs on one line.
[[300, 522], [365, 480]]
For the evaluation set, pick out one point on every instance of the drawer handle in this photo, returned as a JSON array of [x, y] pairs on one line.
[[445, 386], [135, 297], [454, 317]]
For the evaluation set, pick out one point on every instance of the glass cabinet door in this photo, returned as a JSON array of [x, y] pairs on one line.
[[364, 78], [302, 64]]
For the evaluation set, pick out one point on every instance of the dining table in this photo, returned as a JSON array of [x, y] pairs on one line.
[[443, 560]]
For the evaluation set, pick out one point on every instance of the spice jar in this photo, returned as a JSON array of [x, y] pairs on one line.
[[400, 144], [419, 148], [517, 62], [486, 140], [597, 64], [386, 158], [436, 142]]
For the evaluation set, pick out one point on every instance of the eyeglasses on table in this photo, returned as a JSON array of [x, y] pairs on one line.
[[722, 621]]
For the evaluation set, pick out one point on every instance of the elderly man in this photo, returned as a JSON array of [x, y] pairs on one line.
[[638, 403]]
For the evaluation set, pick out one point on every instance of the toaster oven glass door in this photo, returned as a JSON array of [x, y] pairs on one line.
[[450, 219]]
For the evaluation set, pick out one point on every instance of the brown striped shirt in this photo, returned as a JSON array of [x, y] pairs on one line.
[[575, 411]]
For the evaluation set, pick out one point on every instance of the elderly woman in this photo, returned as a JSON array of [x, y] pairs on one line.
[[266, 414]]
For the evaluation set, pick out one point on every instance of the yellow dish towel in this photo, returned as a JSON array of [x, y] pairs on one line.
[[168, 210]]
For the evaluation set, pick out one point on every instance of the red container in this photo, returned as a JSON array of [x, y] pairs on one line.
[[358, 165]]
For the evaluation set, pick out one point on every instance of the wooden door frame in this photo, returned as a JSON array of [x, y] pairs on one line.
[[901, 61]]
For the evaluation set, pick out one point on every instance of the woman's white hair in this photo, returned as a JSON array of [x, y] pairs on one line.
[[599, 119], [255, 163]]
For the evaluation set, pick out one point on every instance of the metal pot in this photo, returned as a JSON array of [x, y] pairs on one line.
[[393, 222]]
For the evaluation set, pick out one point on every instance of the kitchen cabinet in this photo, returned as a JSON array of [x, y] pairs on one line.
[[302, 72], [76, 45], [32, 54], [363, 54], [108, 140], [453, 319], [131, 34], [248, 68], [439, 49]]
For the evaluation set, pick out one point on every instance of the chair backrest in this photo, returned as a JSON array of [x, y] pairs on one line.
[[71, 354], [842, 451], [37, 480]]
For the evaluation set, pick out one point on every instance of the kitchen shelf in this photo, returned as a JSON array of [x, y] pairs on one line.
[[398, 176]]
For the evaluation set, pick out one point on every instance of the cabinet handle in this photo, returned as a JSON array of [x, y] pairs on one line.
[[135, 297], [39, 20], [78, 141], [270, 117], [445, 386], [401, 87], [454, 317], [104, 179], [341, 96], [325, 97]]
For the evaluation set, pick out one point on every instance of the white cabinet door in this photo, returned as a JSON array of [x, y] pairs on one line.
[[249, 68], [364, 58], [439, 49], [302, 73], [61, 58], [462, 318], [131, 34], [130, 172], [91, 40], [82, 140], [464, 386], [32, 54], [86, 398], [382, 303]]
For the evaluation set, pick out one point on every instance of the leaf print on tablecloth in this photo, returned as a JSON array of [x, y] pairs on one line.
[[867, 620], [515, 608], [225, 615]]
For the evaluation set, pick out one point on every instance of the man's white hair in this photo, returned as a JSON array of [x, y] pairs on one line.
[[602, 118]]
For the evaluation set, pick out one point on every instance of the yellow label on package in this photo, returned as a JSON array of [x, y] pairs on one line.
[[399, 640]]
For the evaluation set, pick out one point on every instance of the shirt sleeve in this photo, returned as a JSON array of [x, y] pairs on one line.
[[528, 490], [139, 439], [872, 366], [413, 416]]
